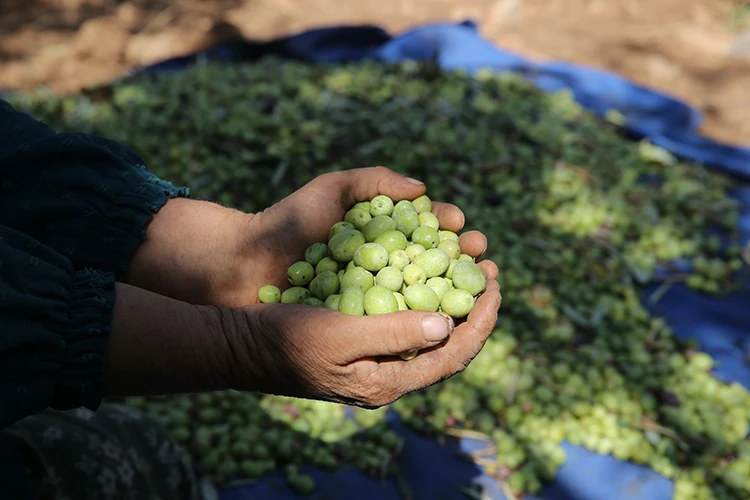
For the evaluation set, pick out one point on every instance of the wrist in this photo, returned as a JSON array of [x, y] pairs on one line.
[[193, 252], [158, 345], [243, 353]]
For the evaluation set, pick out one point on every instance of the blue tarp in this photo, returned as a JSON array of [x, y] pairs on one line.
[[720, 325]]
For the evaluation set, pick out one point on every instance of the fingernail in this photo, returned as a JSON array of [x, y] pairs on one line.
[[415, 181], [436, 328]]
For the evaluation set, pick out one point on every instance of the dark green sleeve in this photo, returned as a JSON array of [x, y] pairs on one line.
[[54, 327], [86, 197]]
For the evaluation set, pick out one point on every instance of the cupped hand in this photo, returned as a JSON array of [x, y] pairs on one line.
[[316, 353], [217, 259], [278, 237]]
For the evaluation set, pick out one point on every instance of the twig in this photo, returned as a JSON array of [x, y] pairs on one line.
[[475, 456], [483, 461], [507, 491], [672, 279], [660, 292], [510, 394], [403, 487], [482, 454], [474, 495], [649, 425], [469, 434], [656, 328], [551, 385]]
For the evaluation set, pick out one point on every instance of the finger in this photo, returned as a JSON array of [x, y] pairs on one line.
[[490, 269], [363, 184], [487, 306], [393, 334], [473, 243], [450, 216], [455, 354]]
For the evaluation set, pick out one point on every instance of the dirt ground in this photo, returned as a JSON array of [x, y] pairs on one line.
[[694, 49]]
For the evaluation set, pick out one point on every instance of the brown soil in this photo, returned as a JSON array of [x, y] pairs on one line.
[[684, 47]]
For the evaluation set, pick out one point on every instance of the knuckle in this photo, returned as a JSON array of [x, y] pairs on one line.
[[381, 392], [367, 406], [372, 390], [377, 398], [460, 363], [381, 179], [398, 342], [326, 177], [267, 315], [461, 366]]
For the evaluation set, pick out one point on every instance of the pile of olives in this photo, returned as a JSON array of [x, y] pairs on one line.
[[384, 258], [234, 438], [579, 219]]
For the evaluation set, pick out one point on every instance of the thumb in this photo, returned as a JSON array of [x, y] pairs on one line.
[[362, 184], [396, 333]]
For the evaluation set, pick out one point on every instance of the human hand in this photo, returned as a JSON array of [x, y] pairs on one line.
[[205, 254], [300, 350], [159, 345], [277, 237], [316, 353]]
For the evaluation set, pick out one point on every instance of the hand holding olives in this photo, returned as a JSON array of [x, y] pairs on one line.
[[293, 349], [421, 274], [300, 228], [368, 242]]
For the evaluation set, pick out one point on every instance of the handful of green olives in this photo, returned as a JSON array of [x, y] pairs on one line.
[[382, 258]]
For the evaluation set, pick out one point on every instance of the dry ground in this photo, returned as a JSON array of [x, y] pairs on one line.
[[693, 49]]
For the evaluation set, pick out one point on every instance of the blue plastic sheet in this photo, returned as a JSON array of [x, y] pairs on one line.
[[720, 325]]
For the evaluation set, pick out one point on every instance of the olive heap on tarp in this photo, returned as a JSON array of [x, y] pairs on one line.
[[578, 218], [384, 258]]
